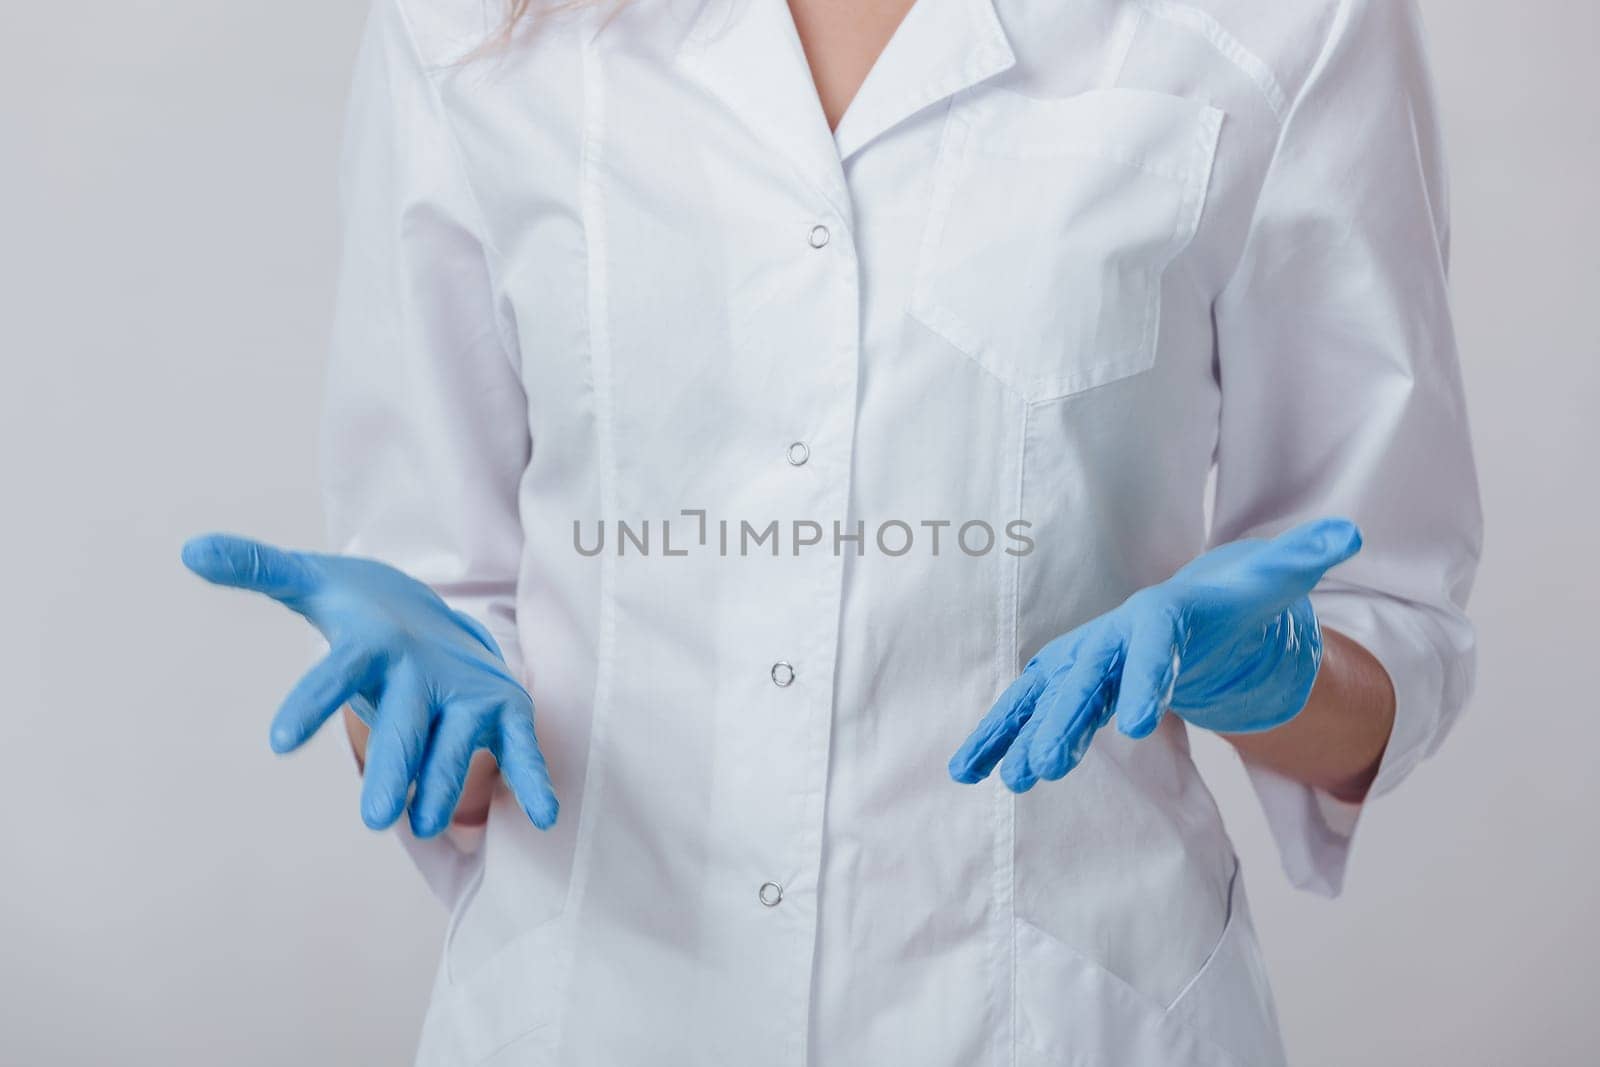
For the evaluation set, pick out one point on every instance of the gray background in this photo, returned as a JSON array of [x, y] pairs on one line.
[[174, 894]]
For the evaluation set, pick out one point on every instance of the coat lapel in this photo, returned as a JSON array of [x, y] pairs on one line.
[[748, 54], [941, 47]]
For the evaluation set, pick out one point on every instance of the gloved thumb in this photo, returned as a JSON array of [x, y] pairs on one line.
[[1296, 560]]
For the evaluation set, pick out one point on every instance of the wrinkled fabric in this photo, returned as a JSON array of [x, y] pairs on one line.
[[769, 454]]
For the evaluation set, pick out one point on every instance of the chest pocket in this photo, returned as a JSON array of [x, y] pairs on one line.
[[1051, 227]]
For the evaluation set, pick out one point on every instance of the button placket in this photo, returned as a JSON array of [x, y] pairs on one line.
[[783, 673]]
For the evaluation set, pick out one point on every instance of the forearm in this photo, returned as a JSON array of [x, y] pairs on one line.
[[1337, 741], [473, 810]]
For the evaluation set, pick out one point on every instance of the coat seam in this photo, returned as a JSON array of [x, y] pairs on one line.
[[592, 127], [493, 257], [1011, 636], [1205, 25]]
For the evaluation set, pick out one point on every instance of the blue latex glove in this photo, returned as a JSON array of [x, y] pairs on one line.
[[430, 681], [1229, 643]]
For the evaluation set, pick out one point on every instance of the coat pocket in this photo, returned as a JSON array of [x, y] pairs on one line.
[[1230, 1000], [496, 992], [1052, 224], [503, 1010], [1070, 1012]]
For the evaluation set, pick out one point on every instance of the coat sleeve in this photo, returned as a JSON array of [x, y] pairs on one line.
[[1341, 395], [424, 433]]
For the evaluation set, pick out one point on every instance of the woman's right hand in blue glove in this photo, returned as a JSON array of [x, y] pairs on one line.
[[429, 681]]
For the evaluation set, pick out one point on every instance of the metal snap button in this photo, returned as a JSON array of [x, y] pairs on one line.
[[783, 674], [770, 894], [798, 453], [819, 235]]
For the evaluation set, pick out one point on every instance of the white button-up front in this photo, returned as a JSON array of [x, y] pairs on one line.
[[770, 453]]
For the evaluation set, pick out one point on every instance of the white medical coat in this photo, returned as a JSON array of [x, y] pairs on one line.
[[1058, 262]]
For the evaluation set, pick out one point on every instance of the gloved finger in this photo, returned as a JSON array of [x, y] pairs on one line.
[[1015, 770], [454, 739], [324, 689], [242, 563], [1290, 565], [1072, 707], [394, 748], [523, 764], [993, 735], [1149, 672]]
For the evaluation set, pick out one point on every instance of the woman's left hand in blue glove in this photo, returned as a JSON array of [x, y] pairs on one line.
[[1230, 643]]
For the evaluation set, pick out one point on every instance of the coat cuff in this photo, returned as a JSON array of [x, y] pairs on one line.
[[1313, 829]]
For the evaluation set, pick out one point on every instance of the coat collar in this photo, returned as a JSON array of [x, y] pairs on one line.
[[748, 53]]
